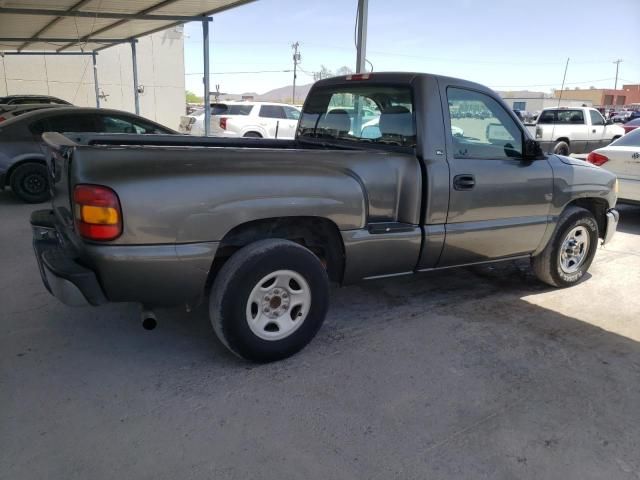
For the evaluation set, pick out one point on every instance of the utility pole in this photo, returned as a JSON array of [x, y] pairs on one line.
[[617, 62], [296, 60]]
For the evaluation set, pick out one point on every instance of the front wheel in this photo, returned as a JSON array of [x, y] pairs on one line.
[[269, 300], [570, 251]]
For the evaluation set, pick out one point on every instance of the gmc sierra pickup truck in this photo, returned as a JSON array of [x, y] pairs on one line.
[[260, 227], [574, 130]]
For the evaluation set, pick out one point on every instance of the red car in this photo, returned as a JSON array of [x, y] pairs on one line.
[[631, 125]]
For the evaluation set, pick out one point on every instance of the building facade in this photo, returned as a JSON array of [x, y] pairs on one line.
[[604, 97], [532, 102], [160, 59]]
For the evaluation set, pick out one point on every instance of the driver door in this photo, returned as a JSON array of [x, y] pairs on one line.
[[596, 131], [498, 202]]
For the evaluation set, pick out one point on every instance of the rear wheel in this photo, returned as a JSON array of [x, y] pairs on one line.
[[269, 300], [252, 135], [570, 251], [30, 183], [562, 148]]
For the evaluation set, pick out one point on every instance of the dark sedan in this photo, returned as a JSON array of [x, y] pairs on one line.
[[22, 155]]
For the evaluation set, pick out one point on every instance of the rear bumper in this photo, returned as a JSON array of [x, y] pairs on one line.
[[93, 274], [613, 216], [62, 275]]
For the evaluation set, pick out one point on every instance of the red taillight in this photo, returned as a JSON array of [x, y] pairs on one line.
[[223, 123], [359, 76], [97, 212], [597, 159], [2, 119]]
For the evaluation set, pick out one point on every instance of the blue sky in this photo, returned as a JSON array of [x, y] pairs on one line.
[[505, 44]]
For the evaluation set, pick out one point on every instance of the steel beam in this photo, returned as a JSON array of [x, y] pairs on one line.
[[361, 44], [120, 22], [49, 53], [134, 60], [95, 78], [108, 15], [206, 98], [35, 39], [53, 22]]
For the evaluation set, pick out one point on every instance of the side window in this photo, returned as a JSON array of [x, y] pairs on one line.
[[72, 123], [111, 124], [272, 111], [292, 113], [122, 124], [596, 118], [481, 127]]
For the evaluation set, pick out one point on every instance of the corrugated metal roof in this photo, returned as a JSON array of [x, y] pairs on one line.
[[43, 29]]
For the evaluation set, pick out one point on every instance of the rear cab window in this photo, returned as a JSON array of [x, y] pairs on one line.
[[562, 117], [374, 114]]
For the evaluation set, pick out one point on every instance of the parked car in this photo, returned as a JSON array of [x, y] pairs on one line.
[[631, 125], [17, 110], [622, 157], [22, 154], [574, 130], [23, 99], [245, 119], [261, 230], [633, 114]]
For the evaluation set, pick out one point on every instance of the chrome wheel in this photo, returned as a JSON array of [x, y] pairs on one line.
[[278, 305], [575, 248]]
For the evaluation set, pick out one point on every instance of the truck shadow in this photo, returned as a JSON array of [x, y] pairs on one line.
[[629, 218]]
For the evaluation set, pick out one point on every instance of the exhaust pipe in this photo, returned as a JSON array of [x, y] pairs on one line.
[[149, 321]]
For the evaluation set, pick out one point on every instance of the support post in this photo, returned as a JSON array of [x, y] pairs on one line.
[[95, 78], [205, 80], [134, 60], [363, 14]]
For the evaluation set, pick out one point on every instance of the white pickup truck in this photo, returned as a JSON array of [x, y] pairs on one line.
[[574, 130], [245, 119]]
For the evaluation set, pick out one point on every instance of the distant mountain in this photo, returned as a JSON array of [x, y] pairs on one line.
[[282, 94]]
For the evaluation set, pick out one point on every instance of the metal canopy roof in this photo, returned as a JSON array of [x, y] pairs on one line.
[[91, 25]]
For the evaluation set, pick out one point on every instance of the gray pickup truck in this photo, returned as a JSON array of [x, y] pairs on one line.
[[260, 227]]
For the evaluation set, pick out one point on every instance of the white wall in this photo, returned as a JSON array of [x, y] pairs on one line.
[[160, 71]]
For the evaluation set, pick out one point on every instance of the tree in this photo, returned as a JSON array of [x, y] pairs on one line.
[[323, 73], [192, 97], [344, 70]]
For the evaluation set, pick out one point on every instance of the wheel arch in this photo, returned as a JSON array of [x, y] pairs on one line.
[[318, 234], [597, 206]]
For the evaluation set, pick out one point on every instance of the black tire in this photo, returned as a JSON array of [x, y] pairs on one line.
[[547, 265], [229, 305], [252, 135], [562, 148], [30, 183]]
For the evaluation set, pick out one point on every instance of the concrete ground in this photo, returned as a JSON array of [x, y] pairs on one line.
[[472, 373]]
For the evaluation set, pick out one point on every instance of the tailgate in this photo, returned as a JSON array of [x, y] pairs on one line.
[[59, 158]]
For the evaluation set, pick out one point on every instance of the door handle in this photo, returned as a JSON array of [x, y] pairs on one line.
[[593, 131], [464, 182]]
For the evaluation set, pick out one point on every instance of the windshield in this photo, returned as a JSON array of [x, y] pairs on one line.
[[361, 113]]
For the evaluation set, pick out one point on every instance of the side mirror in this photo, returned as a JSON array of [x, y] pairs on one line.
[[608, 122], [532, 149]]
